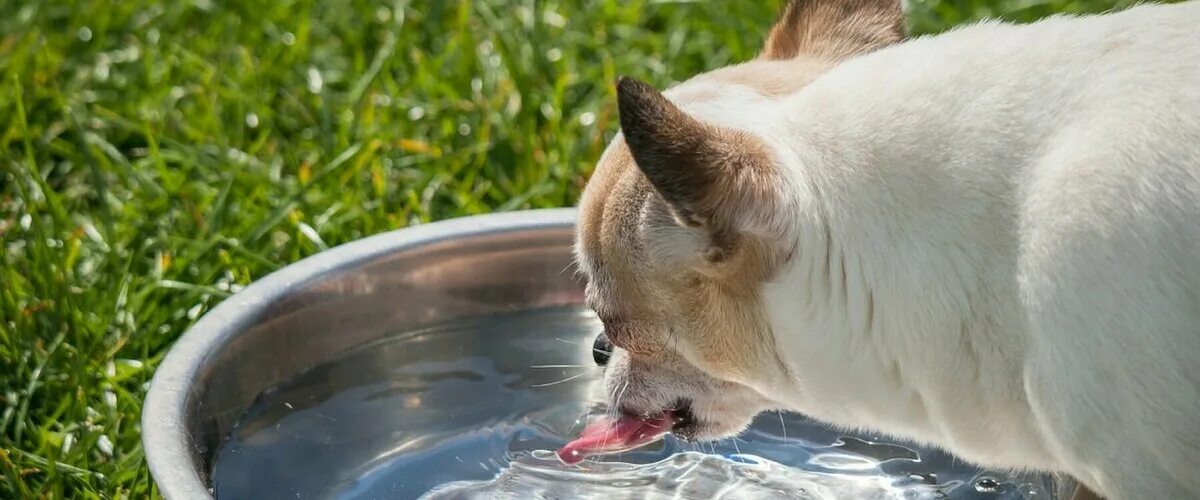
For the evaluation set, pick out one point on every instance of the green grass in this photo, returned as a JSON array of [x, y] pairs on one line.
[[157, 156]]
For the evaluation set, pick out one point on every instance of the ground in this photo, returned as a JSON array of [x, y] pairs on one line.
[[155, 157]]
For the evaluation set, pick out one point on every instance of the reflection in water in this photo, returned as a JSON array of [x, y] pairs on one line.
[[472, 409]]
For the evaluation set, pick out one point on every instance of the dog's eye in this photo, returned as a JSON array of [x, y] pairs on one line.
[[601, 349]]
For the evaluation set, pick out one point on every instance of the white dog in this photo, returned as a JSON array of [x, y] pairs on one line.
[[986, 240]]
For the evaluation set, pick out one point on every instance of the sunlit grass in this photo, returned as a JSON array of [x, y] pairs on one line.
[[157, 156]]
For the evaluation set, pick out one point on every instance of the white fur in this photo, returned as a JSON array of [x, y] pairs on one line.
[[999, 245]]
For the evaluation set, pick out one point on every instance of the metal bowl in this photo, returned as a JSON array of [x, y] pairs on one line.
[[364, 291], [335, 300]]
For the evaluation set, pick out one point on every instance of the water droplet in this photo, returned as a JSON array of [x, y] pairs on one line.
[[194, 312], [554, 19], [152, 36], [476, 84], [554, 55], [105, 445], [103, 65], [26, 221], [382, 14], [415, 113], [315, 81], [131, 53], [464, 129], [85, 34], [987, 485], [288, 38], [1029, 490], [251, 120], [525, 15], [539, 454], [929, 478], [587, 119]]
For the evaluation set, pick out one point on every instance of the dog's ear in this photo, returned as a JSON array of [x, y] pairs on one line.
[[834, 29], [711, 177]]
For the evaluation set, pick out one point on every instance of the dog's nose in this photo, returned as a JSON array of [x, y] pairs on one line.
[[601, 349]]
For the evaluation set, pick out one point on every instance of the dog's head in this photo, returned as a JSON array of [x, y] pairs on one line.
[[684, 219]]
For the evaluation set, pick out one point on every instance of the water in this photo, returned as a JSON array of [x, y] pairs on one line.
[[471, 409]]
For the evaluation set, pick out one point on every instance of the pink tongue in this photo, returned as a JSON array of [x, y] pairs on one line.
[[610, 436]]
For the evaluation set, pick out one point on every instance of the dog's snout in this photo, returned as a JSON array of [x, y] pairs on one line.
[[601, 349]]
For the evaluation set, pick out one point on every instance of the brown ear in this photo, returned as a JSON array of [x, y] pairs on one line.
[[709, 176], [834, 29]]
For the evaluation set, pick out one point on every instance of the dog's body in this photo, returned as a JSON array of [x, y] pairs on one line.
[[987, 240], [1014, 216]]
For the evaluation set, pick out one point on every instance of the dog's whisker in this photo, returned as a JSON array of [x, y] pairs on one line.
[[781, 424], [576, 272], [565, 380], [616, 407], [612, 395], [560, 366]]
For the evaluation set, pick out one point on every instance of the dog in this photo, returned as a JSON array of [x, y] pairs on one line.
[[986, 240]]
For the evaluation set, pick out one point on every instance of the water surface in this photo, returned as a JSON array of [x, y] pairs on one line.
[[471, 409]]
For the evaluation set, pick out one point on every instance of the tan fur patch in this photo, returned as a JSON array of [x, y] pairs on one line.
[[714, 300], [729, 329], [769, 78], [834, 29], [715, 303]]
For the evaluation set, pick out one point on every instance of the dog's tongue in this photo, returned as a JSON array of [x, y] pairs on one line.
[[607, 435]]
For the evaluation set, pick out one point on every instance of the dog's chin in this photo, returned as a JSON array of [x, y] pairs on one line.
[[692, 428]]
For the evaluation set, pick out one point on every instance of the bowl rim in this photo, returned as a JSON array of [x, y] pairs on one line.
[[165, 437]]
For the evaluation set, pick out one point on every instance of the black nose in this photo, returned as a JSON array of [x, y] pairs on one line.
[[601, 349]]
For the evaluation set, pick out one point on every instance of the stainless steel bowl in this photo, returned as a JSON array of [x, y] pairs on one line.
[[354, 294], [335, 300]]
